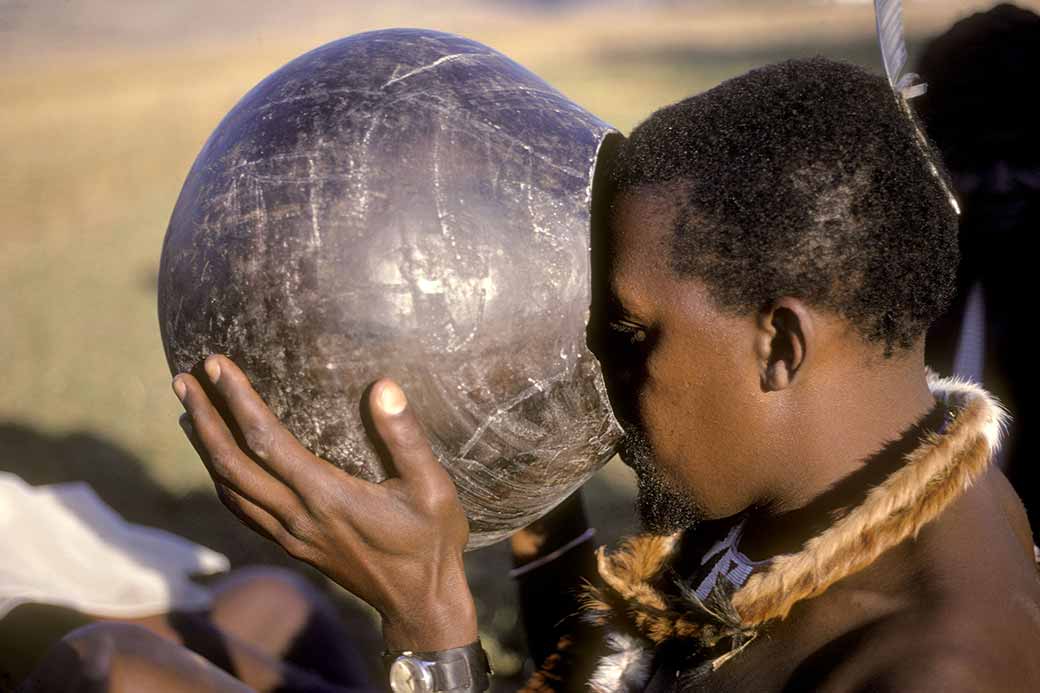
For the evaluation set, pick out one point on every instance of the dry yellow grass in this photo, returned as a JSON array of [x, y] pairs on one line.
[[95, 139]]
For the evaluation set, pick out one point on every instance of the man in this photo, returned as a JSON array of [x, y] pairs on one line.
[[822, 512]]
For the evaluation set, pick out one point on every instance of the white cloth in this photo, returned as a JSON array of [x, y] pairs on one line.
[[62, 545]]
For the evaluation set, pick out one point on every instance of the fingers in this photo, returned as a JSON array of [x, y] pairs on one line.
[[249, 513], [225, 461], [240, 507], [267, 439], [263, 523], [405, 440], [283, 458]]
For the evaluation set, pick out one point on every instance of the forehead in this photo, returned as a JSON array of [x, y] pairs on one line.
[[641, 226]]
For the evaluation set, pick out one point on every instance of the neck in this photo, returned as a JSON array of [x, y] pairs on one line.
[[841, 422]]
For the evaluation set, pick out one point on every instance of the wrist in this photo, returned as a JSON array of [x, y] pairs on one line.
[[432, 626]]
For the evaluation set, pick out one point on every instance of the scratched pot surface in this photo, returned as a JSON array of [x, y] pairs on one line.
[[411, 204]]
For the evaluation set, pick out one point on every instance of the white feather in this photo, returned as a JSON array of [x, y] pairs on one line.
[[625, 671], [889, 15]]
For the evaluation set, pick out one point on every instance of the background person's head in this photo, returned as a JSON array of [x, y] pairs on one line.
[[772, 242], [982, 113]]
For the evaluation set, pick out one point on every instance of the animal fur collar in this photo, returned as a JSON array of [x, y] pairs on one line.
[[638, 616]]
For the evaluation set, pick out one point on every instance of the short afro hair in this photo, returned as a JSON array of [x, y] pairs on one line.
[[806, 179]]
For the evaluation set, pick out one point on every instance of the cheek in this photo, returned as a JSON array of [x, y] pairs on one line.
[[672, 401], [701, 415]]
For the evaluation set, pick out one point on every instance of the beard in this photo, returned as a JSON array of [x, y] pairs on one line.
[[663, 508]]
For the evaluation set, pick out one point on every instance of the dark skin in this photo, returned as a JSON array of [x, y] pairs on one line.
[[782, 403], [789, 401], [397, 545], [926, 616], [790, 382]]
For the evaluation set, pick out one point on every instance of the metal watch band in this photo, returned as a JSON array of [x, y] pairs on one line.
[[456, 670]]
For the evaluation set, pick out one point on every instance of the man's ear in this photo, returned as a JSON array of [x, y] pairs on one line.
[[784, 340]]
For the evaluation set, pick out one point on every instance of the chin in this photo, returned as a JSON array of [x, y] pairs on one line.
[[664, 509], [663, 506]]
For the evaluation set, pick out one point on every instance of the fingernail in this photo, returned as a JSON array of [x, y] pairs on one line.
[[212, 369], [392, 399], [179, 388]]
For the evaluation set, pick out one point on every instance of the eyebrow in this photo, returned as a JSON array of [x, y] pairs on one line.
[[618, 307]]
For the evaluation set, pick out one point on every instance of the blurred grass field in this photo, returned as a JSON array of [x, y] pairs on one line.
[[105, 105]]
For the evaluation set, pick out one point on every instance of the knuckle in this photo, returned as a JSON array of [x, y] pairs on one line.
[[323, 505], [223, 461], [260, 439], [439, 500], [300, 550], [299, 526]]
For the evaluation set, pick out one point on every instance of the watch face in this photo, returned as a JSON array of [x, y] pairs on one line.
[[410, 675]]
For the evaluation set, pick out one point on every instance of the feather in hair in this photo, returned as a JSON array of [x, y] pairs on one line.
[[889, 15]]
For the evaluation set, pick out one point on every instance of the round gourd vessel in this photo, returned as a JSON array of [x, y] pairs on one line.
[[410, 204]]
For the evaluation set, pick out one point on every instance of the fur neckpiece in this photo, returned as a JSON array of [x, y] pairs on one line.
[[639, 616]]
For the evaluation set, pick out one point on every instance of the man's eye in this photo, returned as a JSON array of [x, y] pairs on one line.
[[633, 333]]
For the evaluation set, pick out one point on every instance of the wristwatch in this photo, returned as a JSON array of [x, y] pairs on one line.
[[458, 670]]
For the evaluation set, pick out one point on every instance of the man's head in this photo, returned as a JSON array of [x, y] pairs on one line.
[[767, 239]]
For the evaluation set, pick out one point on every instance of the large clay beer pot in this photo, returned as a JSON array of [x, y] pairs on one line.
[[410, 204]]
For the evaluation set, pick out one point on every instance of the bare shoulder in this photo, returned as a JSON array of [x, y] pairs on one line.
[[950, 671], [954, 653], [971, 621]]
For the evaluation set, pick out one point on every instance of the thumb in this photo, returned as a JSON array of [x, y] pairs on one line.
[[402, 434]]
